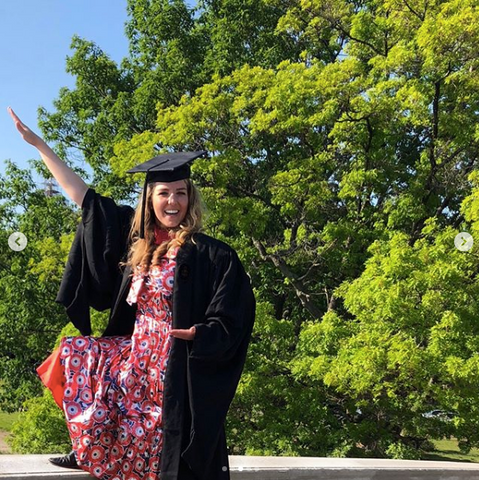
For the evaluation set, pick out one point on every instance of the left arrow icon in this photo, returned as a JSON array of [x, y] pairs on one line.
[[17, 241]]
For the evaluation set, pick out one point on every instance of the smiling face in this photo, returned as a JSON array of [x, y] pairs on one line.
[[170, 203]]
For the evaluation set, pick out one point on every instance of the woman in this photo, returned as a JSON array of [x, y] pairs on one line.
[[149, 399]]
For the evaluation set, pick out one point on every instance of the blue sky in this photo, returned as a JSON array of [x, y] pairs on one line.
[[35, 40]]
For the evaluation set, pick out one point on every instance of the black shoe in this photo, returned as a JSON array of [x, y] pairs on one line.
[[67, 461]]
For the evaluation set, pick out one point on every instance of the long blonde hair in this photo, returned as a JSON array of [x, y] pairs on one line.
[[144, 252]]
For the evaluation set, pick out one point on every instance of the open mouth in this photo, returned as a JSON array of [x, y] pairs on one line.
[[171, 212]]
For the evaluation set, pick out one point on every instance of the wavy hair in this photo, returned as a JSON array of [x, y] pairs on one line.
[[144, 252]]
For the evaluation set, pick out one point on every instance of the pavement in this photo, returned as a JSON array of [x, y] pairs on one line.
[[20, 467]]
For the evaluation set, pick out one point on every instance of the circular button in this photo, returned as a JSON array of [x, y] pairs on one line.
[[17, 241], [463, 241]]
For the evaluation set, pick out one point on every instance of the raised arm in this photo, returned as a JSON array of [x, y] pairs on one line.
[[72, 183]]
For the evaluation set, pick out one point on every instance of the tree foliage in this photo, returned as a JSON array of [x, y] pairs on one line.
[[344, 151], [29, 280], [41, 428]]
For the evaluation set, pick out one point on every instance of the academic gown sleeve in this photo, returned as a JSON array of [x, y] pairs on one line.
[[92, 272], [229, 316], [215, 361]]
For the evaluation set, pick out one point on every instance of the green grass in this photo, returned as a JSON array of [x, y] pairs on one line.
[[447, 450], [7, 419]]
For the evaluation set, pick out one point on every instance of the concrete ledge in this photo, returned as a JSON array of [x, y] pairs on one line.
[[22, 467]]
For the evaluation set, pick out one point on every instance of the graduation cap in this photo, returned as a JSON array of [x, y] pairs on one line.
[[165, 168]]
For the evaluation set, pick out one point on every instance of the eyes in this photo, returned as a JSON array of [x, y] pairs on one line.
[[166, 194]]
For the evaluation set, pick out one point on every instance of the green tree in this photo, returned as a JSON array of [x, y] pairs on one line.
[[41, 428], [29, 318], [174, 49], [342, 137], [316, 160]]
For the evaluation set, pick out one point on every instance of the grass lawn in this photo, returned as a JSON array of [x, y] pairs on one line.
[[447, 450], [7, 419]]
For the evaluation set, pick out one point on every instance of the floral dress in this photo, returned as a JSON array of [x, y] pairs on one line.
[[113, 392]]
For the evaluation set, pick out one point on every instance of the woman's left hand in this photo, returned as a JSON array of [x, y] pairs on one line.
[[184, 334]]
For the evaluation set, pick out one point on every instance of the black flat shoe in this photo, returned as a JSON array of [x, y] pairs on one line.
[[67, 461]]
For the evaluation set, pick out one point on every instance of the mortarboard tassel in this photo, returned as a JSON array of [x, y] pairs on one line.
[[143, 208]]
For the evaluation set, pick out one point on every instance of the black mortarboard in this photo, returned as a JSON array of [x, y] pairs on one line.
[[168, 167]]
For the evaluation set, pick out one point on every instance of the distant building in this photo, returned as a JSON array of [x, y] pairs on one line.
[[51, 188]]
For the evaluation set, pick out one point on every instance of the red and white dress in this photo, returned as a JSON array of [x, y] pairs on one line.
[[113, 391]]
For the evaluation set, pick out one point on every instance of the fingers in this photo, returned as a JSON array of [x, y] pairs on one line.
[[27, 135], [183, 334], [13, 114], [18, 123]]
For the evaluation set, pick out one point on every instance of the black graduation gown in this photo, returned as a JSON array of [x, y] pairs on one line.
[[211, 291]]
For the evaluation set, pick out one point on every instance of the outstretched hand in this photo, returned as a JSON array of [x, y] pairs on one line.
[[28, 135], [184, 334]]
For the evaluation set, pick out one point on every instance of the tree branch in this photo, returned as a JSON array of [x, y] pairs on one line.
[[418, 15], [304, 297], [358, 40]]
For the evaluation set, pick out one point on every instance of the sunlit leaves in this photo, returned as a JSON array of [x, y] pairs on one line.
[[343, 145]]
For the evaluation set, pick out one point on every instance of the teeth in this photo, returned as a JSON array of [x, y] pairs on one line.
[[171, 211]]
